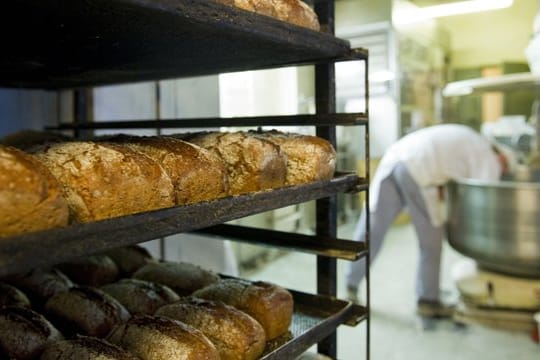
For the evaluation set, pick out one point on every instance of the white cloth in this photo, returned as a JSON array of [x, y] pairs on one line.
[[435, 155]]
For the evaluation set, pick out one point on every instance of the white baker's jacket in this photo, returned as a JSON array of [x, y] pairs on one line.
[[435, 155]]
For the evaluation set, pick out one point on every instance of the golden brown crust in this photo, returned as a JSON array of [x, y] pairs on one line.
[[196, 173], [24, 333], [104, 180], [95, 270], [309, 158], [85, 310], [157, 338], [269, 304], [236, 335], [253, 164], [139, 296], [30, 197], [183, 278], [85, 348], [292, 11]]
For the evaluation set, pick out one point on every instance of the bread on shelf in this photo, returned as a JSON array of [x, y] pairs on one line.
[[12, 296], [93, 270], [85, 348], [129, 259]]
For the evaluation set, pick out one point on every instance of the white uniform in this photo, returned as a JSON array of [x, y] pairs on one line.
[[408, 176]]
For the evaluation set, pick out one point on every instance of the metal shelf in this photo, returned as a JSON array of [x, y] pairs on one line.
[[21, 253], [68, 44]]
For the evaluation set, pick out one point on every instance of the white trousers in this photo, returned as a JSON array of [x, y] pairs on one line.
[[399, 191]]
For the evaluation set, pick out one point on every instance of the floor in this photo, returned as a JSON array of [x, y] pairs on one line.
[[396, 333]]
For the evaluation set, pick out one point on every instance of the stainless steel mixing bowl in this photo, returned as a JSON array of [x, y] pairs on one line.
[[497, 224]]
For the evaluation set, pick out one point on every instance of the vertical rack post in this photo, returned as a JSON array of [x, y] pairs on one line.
[[326, 209]]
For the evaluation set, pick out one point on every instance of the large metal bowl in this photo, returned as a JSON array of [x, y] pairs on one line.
[[497, 224]]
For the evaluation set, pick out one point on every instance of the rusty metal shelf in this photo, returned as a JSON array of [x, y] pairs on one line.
[[77, 43], [53, 246]]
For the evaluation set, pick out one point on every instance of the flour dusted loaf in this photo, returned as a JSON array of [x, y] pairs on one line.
[[85, 348], [236, 335], [196, 173], [269, 304], [85, 311], [30, 197], [183, 278], [253, 164], [103, 180], [158, 338], [94, 270], [24, 333], [309, 158], [292, 11], [139, 296]]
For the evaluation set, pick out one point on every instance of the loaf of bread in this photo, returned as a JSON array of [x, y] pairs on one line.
[[30, 197], [85, 311], [292, 11], [85, 348], [129, 259], [309, 158], [11, 296], [253, 164], [158, 338], [24, 333], [139, 296], [94, 270], [183, 278], [196, 173], [103, 180], [269, 304], [236, 335]]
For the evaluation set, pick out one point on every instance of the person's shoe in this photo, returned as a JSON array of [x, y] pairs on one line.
[[352, 295], [434, 309]]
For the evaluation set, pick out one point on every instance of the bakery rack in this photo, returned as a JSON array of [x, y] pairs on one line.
[[78, 44]]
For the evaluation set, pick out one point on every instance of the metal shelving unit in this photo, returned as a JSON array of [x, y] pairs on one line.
[[80, 44]]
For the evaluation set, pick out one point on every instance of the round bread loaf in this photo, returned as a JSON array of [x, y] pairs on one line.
[[236, 335], [129, 259], [85, 348], [11, 296], [158, 338], [30, 197], [24, 333], [139, 296], [94, 270], [183, 278], [309, 158], [196, 173], [269, 304], [253, 164], [104, 180], [85, 311], [292, 11]]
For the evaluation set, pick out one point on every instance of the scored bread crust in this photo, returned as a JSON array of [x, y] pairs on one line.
[[105, 180], [30, 197], [292, 11]]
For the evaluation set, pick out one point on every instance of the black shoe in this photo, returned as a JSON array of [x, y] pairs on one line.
[[434, 309]]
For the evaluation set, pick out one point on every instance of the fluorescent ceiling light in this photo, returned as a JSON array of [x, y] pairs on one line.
[[415, 14]]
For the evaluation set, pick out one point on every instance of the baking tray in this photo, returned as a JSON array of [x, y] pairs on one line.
[[21, 253], [67, 44]]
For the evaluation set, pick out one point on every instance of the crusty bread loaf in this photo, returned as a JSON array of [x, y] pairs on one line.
[[86, 311], [253, 164], [129, 259], [94, 270], [104, 180], [158, 338], [292, 11], [183, 278], [236, 335], [11, 296], [24, 333], [139, 296], [30, 197], [196, 173], [269, 304], [85, 348], [309, 158]]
